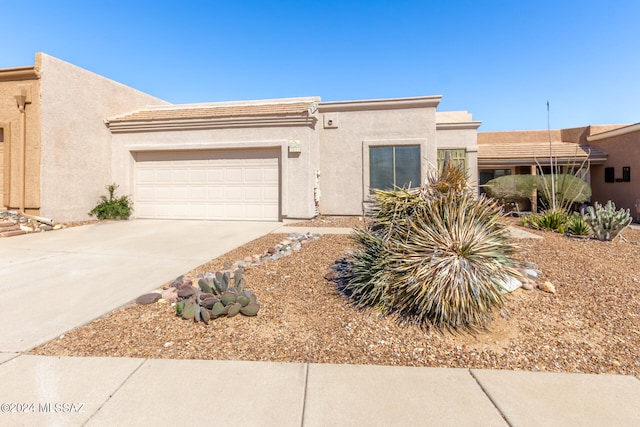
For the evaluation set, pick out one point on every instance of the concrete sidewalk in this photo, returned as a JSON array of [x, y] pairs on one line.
[[69, 391]]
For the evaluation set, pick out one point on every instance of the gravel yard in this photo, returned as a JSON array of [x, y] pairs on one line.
[[591, 325]]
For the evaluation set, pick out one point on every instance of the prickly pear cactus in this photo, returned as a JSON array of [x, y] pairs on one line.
[[607, 222], [217, 295]]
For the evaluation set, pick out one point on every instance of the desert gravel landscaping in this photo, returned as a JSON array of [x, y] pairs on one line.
[[591, 325]]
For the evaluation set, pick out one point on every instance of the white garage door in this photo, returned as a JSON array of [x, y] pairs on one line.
[[212, 184]]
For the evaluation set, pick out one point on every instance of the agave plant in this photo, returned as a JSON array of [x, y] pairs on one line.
[[578, 226], [550, 220]]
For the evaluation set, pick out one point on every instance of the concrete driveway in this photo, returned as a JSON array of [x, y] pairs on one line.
[[52, 282]]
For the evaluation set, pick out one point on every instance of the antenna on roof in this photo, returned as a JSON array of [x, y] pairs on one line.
[[553, 185]]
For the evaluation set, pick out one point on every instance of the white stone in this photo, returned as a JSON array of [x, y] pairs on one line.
[[510, 284]]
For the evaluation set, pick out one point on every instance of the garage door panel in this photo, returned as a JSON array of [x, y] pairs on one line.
[[270, 195], [198, 193], [197, 176], [215, 184], [163, 176], [270, 176]]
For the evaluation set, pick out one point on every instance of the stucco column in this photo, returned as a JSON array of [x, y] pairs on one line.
[[21, 100], [534, 193]]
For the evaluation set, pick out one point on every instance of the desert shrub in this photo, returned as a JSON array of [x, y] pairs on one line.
[[569, 189], [607, 222], [511, 188], [435, 254], [112, 207]]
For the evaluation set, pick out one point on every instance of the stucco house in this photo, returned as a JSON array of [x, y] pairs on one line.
[[66, 132], [608, 152]]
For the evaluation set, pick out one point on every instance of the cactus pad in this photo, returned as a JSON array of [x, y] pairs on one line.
[[250, 309], [234, 309]]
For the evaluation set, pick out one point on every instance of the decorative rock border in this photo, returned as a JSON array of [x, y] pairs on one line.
[[13, 223], [292, 243]]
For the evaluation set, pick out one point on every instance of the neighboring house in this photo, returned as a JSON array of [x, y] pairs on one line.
[[618, 179], [246, 160], [55, 151], [608, 153]]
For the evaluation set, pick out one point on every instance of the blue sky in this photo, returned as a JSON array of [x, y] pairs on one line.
[[500, 60]]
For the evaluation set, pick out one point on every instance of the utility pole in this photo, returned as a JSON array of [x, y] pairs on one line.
[[553, 180]]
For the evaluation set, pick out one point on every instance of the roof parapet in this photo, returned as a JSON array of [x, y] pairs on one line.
[[380, 104]]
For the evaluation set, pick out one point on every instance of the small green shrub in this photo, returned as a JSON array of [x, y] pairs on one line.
[[607, 222], [511, 188], [112, 207], [578, 226]]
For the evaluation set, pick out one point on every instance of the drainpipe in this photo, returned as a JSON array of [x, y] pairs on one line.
[[22, 103]]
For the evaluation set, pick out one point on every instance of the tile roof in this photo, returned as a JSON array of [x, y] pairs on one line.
[[186, 112], [531, 151]]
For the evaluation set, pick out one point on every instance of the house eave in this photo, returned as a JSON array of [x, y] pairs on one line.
[[531, 161], [458, 126], [211, 123]]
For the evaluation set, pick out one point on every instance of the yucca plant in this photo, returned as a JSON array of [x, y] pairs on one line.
[[436, 254], [366, 282], [392, 208], [448, 263]]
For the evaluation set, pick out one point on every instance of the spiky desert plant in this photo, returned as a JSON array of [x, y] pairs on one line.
[[606, 221], [366, 280], [550, 220], [392, 208], [578, 226], [447, 264]]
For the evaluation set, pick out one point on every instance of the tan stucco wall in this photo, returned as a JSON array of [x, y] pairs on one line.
[[296, 180], [623, 150], [76, 144], [12, 121], [516, 136], [344, 174]]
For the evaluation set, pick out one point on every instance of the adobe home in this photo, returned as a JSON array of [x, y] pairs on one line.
[[608, 154], [66, 132]]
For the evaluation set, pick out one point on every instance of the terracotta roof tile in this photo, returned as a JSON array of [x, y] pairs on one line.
[[206, 112], [522, 151]]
